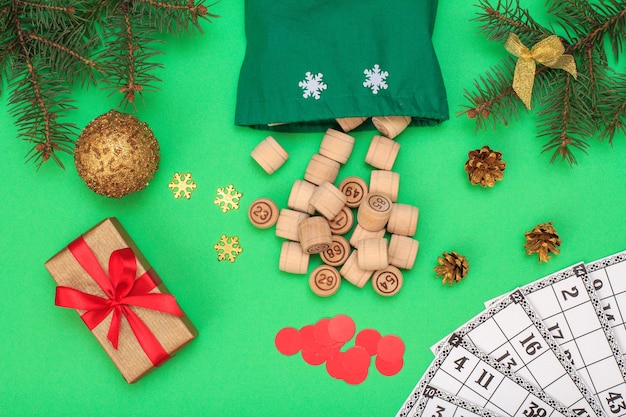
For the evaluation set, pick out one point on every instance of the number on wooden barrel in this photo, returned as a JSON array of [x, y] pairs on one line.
[[325, 280]]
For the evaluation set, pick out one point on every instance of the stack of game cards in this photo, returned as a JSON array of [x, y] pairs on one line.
[[551, 348]]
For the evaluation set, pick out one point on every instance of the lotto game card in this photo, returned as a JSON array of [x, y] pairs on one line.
[[511, 332], [464, 371], [608, 276], [570, 308], [438, 403]]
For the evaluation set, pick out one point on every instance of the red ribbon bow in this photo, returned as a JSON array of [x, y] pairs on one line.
[[123, 291]]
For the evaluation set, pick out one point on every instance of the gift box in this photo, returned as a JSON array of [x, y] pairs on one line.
[[106, 279]]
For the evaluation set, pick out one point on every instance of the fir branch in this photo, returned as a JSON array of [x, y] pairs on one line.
[[616, 123], [60, 32], [8, 43], [128, 63], [131, 88], [565, 119], [129, 31], [52, 16], [7, 49], [37, 69], [574, 14], [493, 98], [614, 26], [37, 101], [612, 102], [55, 45], [507, 16], [591, 71], [96, 12], [174, 16], [34, 125], [593, 64], [49, 7], [79, 67], [572, 111], [47, 45]]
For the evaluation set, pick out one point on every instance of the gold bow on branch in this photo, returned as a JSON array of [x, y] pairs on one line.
[[548, 51]]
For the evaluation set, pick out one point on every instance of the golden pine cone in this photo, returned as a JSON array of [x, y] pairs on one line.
[[452, 267], [116, 154], [484, 166], [542, 239]]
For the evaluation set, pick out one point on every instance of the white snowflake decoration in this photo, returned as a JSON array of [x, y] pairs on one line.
[[312, 85], [375, 79]]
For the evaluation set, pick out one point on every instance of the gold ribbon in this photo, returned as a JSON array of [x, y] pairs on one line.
[[548, 51]]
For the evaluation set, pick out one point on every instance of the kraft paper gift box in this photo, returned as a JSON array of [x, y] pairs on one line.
[[103, 275]]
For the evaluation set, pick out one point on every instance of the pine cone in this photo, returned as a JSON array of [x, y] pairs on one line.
[[452, 267], [484, 166], [542, 240]]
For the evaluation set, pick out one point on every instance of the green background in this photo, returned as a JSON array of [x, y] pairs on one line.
[[51, 365]]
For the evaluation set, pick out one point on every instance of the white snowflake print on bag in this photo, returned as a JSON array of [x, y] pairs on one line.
[[312, 85], [375, 79]]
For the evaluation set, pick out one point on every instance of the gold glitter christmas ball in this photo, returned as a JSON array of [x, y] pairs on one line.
[[116, 154]]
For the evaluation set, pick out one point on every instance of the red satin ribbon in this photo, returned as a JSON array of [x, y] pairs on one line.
[[122, 291]]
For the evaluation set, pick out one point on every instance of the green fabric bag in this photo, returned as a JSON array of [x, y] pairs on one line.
[[309, 62]]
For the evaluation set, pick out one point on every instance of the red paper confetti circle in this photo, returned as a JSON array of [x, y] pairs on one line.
[[321, 343], [320, 331], [329, 352], [388, 368], [368, 339], [356, 360], [309, 343], [390, 348], [288, 341], [334, 366], [312, 358], [354, 379], [341, 328]]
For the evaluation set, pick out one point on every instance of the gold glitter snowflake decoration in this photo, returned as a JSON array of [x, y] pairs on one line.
[[227, 198], [227, 248], [182, 185]]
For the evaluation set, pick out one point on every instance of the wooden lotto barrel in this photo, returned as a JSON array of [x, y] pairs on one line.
[[374, 211], [300, 196], [350, 123], [391, 126], [386, 182], [328, 200], [382, 152], [287, 224], [337, 146], [388, 281], [314, 234], [320, 169], [403, 219], [359, 233], [263, 213], [337, 253], [269, 155], [292, 259], [402, 251], [373, 254], [353, 273], [342, 222], [355, 189], [325, 280]]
